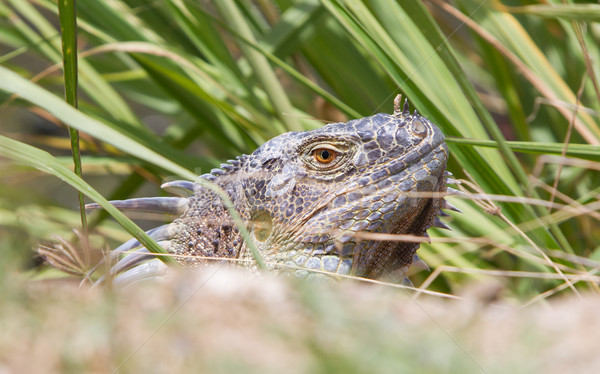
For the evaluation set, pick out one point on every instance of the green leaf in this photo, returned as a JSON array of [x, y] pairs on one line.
[[43, 161], [578, 12], [68, 28], [15, 84]]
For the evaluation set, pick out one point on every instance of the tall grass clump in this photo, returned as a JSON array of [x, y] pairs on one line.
[[172, 88]]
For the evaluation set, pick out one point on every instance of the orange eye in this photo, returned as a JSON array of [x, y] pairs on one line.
[[324, 155]]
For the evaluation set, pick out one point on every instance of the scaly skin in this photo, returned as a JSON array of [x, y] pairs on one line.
[[305, 195]]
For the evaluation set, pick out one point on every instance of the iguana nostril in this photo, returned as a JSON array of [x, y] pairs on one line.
[[419, 128]]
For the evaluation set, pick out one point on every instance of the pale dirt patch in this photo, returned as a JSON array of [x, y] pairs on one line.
[[220, 320]]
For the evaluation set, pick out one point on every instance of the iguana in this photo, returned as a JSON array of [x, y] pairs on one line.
[[304, 196]]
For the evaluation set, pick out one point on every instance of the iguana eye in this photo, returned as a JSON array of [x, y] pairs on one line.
[[324, 155]]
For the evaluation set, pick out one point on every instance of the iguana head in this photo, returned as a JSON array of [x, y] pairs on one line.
[[307, 197], [310, 193]]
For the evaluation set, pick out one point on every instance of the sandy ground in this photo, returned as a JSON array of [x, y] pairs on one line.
[[219, 320]]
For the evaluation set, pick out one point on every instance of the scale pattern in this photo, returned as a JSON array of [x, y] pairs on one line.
[[304, 196]]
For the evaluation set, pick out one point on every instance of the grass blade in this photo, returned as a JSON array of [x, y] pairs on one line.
[[43, 161], [15, 84], [261, 67], [68, 28]]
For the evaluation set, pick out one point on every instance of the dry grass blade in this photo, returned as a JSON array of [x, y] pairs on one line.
[[71, 258], [574, 117], [493, 209], [573, 278]]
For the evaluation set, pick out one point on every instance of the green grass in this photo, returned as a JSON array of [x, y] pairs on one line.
[[172, 88], [157, 90]]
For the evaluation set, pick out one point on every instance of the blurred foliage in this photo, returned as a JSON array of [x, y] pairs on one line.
[[171, 88], [221, 321]]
